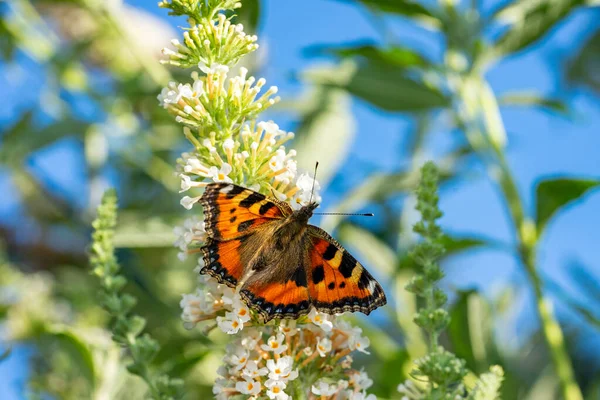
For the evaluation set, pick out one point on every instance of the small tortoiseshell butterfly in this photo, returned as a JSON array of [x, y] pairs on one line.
[[280, 264]]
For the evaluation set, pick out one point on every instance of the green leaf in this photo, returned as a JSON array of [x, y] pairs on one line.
[[552, 195], [582, 69], [390, 89], [6, 354], [587, 283], [530, 21], [586, 313], [457, 244], [371, 250], [8, 44], [392, 55], [469, 329], [325, 133], [534, 100], [404, 8], [80, 352]]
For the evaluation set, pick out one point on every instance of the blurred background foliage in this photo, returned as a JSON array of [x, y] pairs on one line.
[[80, 79]]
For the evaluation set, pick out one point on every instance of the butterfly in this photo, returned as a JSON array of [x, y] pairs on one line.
[[280, 265]]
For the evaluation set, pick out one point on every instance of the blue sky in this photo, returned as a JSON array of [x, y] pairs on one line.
[[540, 144]]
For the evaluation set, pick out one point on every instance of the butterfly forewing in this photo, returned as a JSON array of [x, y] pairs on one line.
[[222, 260], [231, 211]]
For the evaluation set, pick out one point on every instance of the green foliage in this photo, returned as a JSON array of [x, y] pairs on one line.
[[553, 105], [391, 89], [552, 195], [126, 327], [581, 69], [146, 142], [392, 55], [78, 350], [468, 100], [5, 354], [530, 20], [403, 7], [443, 371]]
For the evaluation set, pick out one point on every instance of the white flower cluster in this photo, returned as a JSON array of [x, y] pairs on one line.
[[219, 114], [191, 232], [214, 104], [268, 362], [249, 159], [211, 299], [211, 42]]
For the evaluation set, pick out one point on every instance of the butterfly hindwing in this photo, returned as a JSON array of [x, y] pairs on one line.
[[286, 299], [313, 271], [231, 211], [337, 282]]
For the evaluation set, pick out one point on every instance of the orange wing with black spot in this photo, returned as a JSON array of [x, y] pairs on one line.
[[336, 281], [232, 211]]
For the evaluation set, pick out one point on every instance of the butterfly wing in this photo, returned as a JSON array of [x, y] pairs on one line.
[[336, 281], [233, 217], [280, 280], [314, 270], [222, 260], [286, 298], [232, 211]]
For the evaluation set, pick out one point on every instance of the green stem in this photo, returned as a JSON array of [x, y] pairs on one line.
[[526, 237], [527, 253], [433, 334]]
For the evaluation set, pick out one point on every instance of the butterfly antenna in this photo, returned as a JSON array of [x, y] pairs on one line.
[[312, 191], [359, 214]]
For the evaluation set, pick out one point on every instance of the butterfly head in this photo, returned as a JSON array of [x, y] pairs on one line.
[[304, 214]]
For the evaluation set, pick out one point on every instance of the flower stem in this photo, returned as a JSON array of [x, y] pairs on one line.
[[476, 125], [527, 253]]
